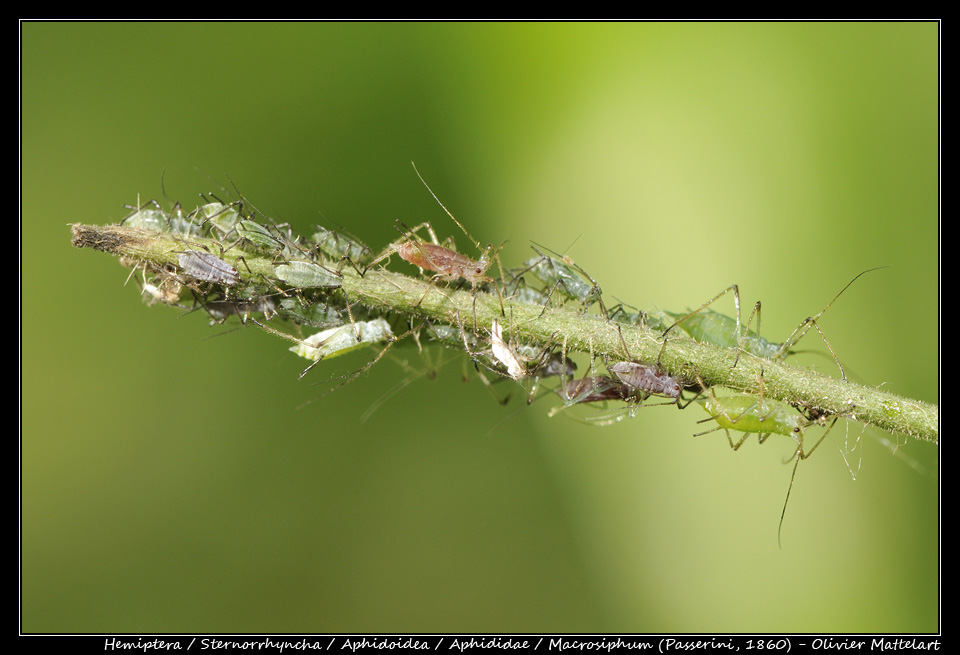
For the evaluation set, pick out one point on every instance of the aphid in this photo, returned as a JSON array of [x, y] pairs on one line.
[[259, 235], [449, 264], [219, 219], [752, 415], [708, 326], [318, 314], [339, 246], [158, 220], [565, 276], [220, 310], [648, 380], [209, 268], [594, 389], [307, 275], [148, 219], [343, 339]]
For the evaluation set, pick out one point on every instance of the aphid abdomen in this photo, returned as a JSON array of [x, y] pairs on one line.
[[207, 267], [646, 378]]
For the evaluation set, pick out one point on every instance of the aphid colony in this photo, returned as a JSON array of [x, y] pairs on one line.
[[294, 289], [302, 289]]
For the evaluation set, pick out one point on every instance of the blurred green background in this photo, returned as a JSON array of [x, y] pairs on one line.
[[169, 480]]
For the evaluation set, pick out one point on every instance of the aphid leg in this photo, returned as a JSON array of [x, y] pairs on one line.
[[746, 331], [595, 291], [394, 247], [701, 386], [800, 454], [350, 377], [288, 337]]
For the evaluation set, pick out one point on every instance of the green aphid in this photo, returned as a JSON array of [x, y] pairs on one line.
[[218, 217], [337, 246], [718, 329], [258, 235], [763, 417], [746, 413], [341, 340], [307, 275], [708, 326]]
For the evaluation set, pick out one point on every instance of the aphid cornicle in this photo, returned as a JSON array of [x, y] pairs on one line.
[[209, 268]]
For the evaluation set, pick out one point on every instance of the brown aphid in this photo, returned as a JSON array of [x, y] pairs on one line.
[[647, 379], [596, 389], [450, 264]]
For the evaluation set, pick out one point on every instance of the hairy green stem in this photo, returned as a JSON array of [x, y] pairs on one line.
[[575, 331]]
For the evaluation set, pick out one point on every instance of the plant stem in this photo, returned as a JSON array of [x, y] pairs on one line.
[[574, 331]]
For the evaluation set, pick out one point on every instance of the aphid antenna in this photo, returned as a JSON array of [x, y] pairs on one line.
[[804, 326], [452, 217], [243, 198]]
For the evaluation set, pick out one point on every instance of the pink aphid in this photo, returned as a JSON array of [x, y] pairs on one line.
[[450, 264]]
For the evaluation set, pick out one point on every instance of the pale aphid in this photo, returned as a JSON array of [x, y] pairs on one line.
[[158, 220], [208, 268], [562, 275], [343, 339], [259, 235], [307, 275]]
